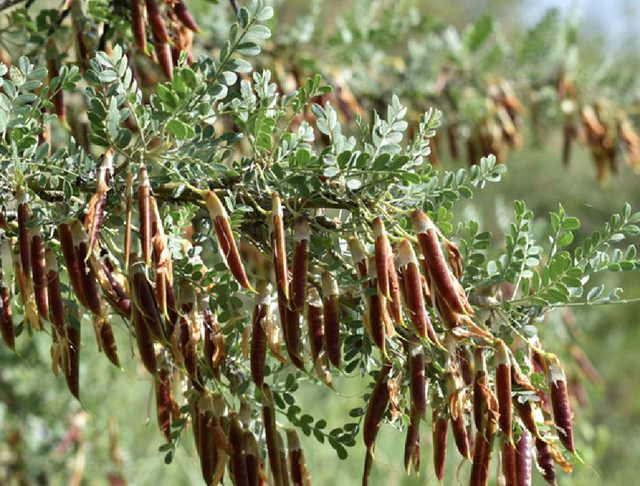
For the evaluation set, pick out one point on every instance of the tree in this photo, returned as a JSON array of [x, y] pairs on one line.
[[221, 213]]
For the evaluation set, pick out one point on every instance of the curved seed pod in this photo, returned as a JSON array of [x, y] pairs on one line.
[[108, 341], [258, 338], [252, 458], [411, 276], [297, 463], [560, 403], [456, 409], [480, 383], [445, 282], [157, 23], [238, 461], [439, 443], [6, 314], [71, 362], [279, 246], [185, 16], [214, 346], [524, 459], [315, 323], [412, 443], [418, 378], [300, 264], [95, 213], [376, 408], [144, 341], [227, 244], [545, 461], [128, 192], [144, 299], [482, 451], [144, 213], [376, 311], [38, 271], [54, 293], [22, 199], [508, 454], [71, 262], [87, 277], [114, 292], [454, 257], [526, 413], [138, 25], [165, 59], [382, 256], [503, 388], [330, 296], [269, 421], [163, 402]]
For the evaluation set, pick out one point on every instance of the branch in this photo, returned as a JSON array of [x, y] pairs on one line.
[[5, 4]]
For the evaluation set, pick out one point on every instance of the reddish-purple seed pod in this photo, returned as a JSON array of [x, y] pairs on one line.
[[466, 364], [412, 443], [258, 338], [252, 458], [480, 381], [524, 459], [279, 245], [292, 338], [6, 314], [238, 462], [330, 296], [144, 299], [144, 341], [23, 232], [157, 23], [376, 408], [95, 213], [54, 293], [508, 454], [461, 438], [128, 192], [560, 403], [163, 402], [445, 282], [376, 310], [87, 277], [38, 270], [382, 256], [297, 463], [109, 343], [185, 16], [394, 303], [503, 388], [137, 22], [439, 443], [144, 213], [300, 264], [227, 244], [71, 262], [545, 461], [269, 421], [165, 59], [482, 455], [418, 378], [72, 371], [315, 323], [526, 413], [122, 302]]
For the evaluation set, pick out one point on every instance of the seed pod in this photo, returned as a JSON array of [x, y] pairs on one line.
[[394, 304], [376, 407], [71, 262], [455, 258], [412, 443], [6, 314], [456, 409], [252, 458], [560, 403], [115, 293], [480, 383], [445, 282], [95, 212], [87, 277], [23, 232], [107, 340], [157, 23], [503, 388], [483, 449], [71, 363], [359, 256], [269, 421], [526, 413], [238, 462], [258, 339], [418, 379], [383, 257], [144, 213], [54, 293], [292, 338], [439, 443], [144, 299], [411, 276], [508, 454], [331, 305], [227, 244], [300, 264], [524, 459], [375, 306], [128, 209], [163, 402], [38, 270], [545, 461], [298, 466], [283, 460], [315, 323], [214, 346], [52, 67], [279, 246], [138, 25], [185, 16], [144, 341], [165, 59], [452, 137]]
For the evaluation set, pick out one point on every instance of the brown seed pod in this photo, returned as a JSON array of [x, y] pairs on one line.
[[158, 28], [408, 265], [524, 459], [107, 341], [376, 407], [452, 137], [439, 443], [163, 402], [144, 299], [394, 304], [383, 257], [418, 378], [95, 211], [300, 264], [71, 261], [545, 461], [483, 447], [22, 199], [375, 306], [279, 246], [445, 282], [128, 192], [331, 305], [238, 460], [144, 213], [87, 277], [453, 386], [71, 362], [165, 59], [315, 323], [54, 294], [455, 258], [525, 410], [359, 256], [252, 459], [227, 244], [144, 341], [258, 338], [412, 443], [185, 16], [508, 454], [503, 387], [36, 246], [114, 292], [269, 421], [480, 384], [298, 466], [6, 314], [138, 25], [560, 403], [292, 338]]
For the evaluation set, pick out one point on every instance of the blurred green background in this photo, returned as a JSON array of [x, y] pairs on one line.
[[37, 406]]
